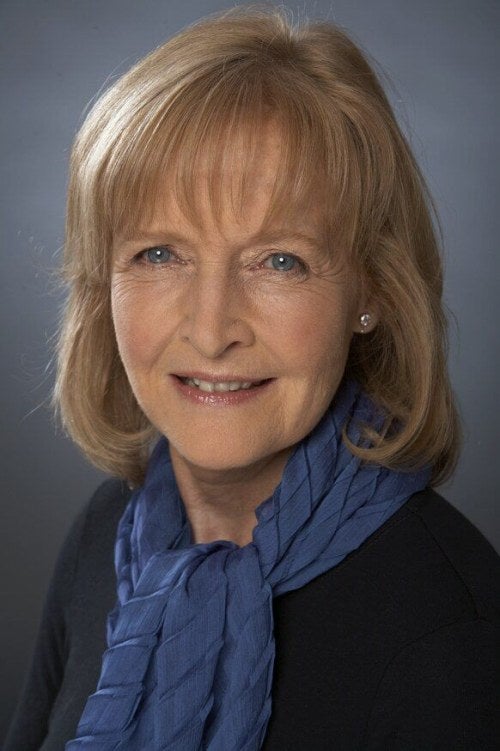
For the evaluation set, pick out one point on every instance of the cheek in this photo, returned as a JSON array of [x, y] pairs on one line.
[[315, 334], [138, 330]]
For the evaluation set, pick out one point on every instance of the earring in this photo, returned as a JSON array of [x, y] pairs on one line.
[[365, 321]]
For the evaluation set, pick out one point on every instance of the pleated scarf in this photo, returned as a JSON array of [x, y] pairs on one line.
[[189, 664]]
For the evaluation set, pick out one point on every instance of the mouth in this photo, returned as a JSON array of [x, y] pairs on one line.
[[220, 386]]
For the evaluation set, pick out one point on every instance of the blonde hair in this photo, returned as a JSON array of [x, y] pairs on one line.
[[198, 95]]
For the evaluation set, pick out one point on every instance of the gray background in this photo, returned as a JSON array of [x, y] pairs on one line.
[[442, 57]]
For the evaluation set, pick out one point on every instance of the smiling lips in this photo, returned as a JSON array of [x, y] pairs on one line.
[[227, 387], [212, 386]]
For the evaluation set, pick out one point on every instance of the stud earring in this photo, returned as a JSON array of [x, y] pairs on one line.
[[365, 321]]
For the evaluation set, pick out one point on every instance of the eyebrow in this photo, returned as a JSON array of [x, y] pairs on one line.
[[276, 235], [284, 234], [130, 238]]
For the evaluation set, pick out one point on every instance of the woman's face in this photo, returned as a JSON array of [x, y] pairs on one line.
[[226, 305]]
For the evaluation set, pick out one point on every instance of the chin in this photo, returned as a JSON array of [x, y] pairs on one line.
[[217, 460], [218, 455]]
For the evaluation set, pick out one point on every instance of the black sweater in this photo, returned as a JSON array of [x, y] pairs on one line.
[[397, 647]]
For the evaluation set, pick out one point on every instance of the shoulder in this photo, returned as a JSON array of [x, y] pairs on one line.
[[91, 536], [84, 566], [98, 517], [408, 627], [470, 560], [107, 502], [94, 528], [66, 661], [89, 555], [436, 562], [427, 566], [94, 531], [102, 512]]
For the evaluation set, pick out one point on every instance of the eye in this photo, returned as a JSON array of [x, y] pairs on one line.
[[284, 262], [158, 254]]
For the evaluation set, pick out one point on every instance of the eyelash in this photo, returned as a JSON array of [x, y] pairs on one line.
[[142, 256], [299, 268]]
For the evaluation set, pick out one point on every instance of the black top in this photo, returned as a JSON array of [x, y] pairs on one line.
[[396, 648]]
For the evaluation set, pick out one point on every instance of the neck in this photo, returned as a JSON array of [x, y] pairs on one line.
[[220, 504]]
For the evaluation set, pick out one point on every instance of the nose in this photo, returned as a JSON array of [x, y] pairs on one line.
[[216, 314]]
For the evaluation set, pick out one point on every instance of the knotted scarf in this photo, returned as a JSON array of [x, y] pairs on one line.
[[189, 664]]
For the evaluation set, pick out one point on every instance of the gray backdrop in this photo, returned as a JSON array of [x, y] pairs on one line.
[[442, 57]]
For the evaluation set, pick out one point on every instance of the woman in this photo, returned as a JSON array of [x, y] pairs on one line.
[[254, 344]]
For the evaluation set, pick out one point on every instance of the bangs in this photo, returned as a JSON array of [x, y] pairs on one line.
[[193, 134], [205, 140]]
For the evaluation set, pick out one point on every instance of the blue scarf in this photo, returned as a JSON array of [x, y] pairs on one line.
[[189, 664]]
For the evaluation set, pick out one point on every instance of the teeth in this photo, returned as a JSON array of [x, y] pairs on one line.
[[219, 386]]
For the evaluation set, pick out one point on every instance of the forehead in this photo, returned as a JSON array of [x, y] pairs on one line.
[[251, 185]]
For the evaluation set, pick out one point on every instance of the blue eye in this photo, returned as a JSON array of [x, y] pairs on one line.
[[158, 254], [283, 262]]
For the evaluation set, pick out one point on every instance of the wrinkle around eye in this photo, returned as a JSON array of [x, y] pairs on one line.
[[138, 265]]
